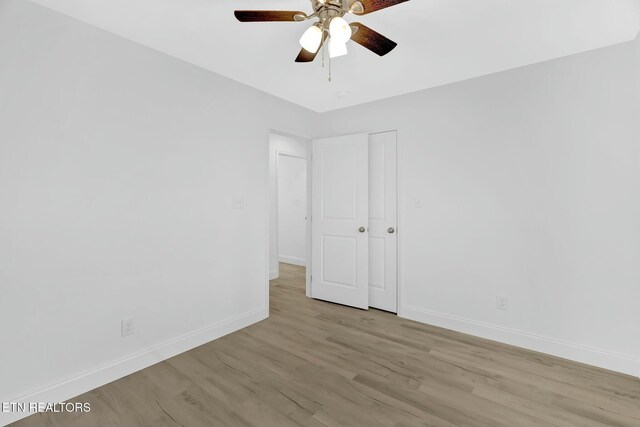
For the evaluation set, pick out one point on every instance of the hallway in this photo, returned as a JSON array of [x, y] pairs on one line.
[[314, 363]]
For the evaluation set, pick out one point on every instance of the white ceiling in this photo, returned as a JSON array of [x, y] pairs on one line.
[[439, 41]]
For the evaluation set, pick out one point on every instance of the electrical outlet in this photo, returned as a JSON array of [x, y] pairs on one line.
[[127, 327], [502, 303]]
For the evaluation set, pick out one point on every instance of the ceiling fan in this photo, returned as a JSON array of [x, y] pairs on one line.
[[330, 25]]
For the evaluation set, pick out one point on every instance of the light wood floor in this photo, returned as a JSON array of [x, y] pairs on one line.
[[318, 364]]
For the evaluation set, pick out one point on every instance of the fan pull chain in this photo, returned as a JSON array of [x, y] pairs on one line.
[[325, 46]]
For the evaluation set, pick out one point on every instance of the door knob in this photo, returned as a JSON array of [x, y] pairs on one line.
[[362, 229], [391, 230]]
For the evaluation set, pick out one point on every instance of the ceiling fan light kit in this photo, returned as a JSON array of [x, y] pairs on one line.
[[337, 48], [339, 29], [331, 25], [311, 39]]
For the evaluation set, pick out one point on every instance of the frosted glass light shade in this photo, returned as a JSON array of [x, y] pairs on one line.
[[337, 48], [311, 39], [339, 29]]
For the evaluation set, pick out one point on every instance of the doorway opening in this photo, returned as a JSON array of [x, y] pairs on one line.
[[289, 203], [333, 212]]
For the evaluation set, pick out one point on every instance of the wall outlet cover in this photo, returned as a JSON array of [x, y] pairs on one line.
[[127, 327], [502, 303], [237, 202]]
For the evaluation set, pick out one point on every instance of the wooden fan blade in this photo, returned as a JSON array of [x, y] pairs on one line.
[[268, 15], [372, 40], [306, 56], [375, 5]]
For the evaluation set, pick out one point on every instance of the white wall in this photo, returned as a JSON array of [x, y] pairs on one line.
[[637, 68], [118, 166], [529, 185], [292, 209], [279, 143]]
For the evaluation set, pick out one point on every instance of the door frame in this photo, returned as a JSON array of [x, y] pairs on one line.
[[276, 230], [399, 228], [398, 219]]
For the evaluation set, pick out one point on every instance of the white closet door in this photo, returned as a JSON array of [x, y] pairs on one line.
[[340, 241], [383, 222]]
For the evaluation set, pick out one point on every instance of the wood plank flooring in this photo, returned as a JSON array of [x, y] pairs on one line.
[[319, 364]]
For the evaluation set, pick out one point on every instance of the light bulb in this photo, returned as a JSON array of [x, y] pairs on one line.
[[339, 29], [311, 39], [337, 48]]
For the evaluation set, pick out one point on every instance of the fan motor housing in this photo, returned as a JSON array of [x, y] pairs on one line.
[[340, 4], [329, 9]]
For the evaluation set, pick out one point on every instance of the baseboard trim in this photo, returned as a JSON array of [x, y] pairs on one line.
[[292, 260], [606, 359], [273, 274], [80, 383]]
